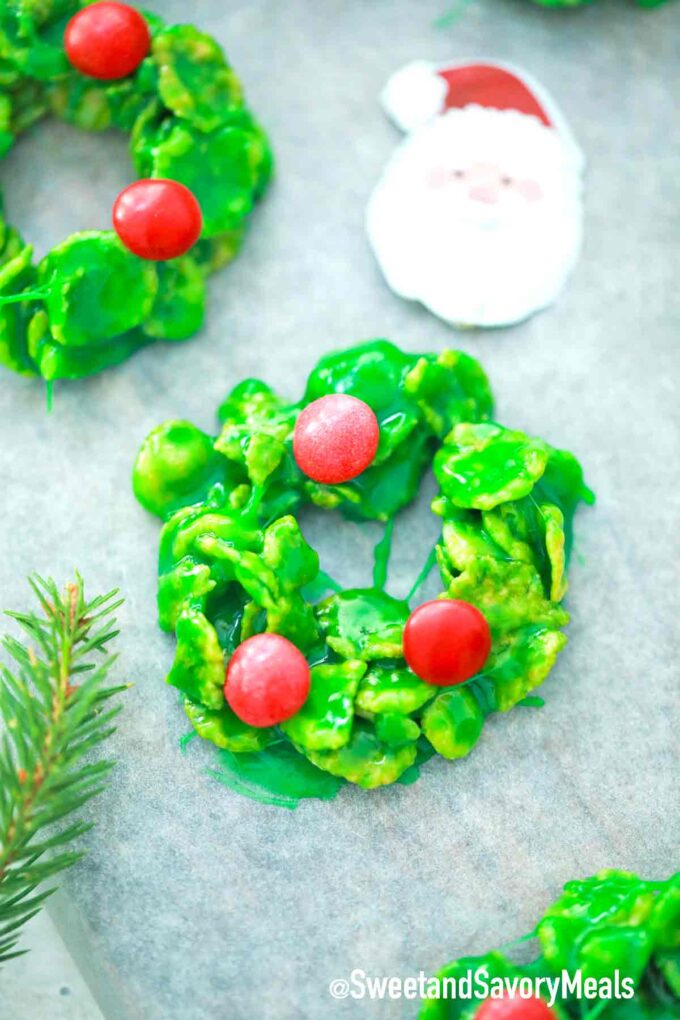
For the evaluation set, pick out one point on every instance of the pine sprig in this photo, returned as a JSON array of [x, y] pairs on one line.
[[54, 709]]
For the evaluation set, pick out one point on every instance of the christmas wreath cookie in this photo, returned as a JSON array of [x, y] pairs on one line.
[[302, 691], [609, 947], [100, 295]]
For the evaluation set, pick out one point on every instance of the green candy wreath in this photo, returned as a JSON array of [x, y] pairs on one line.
[[90, 302], [234, 563], [609, 947]]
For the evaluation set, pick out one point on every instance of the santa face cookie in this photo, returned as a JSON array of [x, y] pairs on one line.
[[478, 214]]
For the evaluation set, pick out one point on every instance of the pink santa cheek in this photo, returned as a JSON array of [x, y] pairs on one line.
[[437, 177], [529, 189]]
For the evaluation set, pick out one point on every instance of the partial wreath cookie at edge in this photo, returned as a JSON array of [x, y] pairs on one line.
[[234, 564], [95, 301], [609, 946]]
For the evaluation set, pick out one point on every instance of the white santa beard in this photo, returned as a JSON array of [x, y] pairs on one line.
[[469, 263], [471, 276]]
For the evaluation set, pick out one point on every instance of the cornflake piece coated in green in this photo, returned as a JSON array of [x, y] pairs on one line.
[[224, 729], [198, 670], [483, 465], [453, 722], [172, 466], [222, 169], [365, 759], [324, 723], [386, 689], [364, 624], [15, 275], [179, 308], [97, 289], [195, 81]]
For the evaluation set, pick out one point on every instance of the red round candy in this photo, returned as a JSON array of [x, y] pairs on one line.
[[514, 1008], [267, 680], [336, 438], [446, 641], [107, 40], [157, 219]]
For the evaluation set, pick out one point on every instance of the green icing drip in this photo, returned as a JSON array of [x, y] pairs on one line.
[[423, 573], [321, 585], [233, 562], [186, 739], [25, 295], [533, 701], [612, 923], [90, 303], [278, 776], [381, 556]]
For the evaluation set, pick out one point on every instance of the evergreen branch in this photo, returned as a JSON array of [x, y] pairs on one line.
[[53, 710]]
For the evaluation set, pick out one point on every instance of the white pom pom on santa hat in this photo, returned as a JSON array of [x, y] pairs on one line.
[[414, 94], [420, 91]]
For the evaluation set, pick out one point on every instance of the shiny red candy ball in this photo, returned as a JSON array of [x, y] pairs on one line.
[[446, 641], [267, 680], [514, 1008], [107, 40], [157, 219], [336, 438]]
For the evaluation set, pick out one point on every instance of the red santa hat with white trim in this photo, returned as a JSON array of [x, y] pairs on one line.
[[420, 91]]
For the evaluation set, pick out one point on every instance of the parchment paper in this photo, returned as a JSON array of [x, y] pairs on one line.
[[196, 903]]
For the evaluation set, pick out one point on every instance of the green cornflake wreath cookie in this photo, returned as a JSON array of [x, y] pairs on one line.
[[234, 563], [614, 938], [91, 302]]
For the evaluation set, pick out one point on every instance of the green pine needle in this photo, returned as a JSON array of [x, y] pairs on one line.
[[54, 709]]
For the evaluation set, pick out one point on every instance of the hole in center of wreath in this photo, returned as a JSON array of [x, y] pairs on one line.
[[347, 549], [58, 180]]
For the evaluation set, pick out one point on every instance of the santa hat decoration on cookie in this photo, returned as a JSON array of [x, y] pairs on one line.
[[421, 90], [478, 214]]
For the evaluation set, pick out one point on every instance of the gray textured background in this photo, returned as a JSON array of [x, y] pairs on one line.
[[196, 903]]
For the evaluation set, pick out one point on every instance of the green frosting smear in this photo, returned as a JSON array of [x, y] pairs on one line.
[[90, 303], [615, 933], [234, 563]]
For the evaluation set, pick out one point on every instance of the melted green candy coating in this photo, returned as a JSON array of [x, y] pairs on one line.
[[390, 690], [224, 729], [56, 361], [277, 775], [198, 669], [16, 274], [179, 306], [97, 289], [325, 721], [609, 928], [92, 302], [364, 624], [453, 722], [484, 465], [226, 169], [234, 563], [176, 465], [194, 80], [366, 759]]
